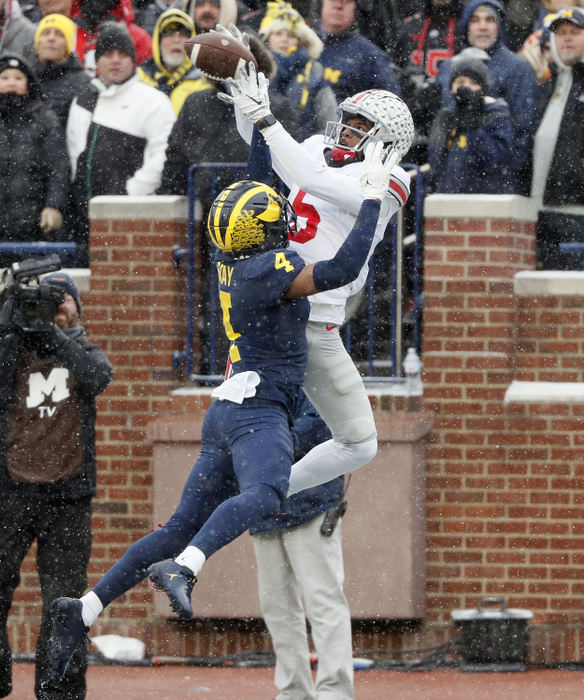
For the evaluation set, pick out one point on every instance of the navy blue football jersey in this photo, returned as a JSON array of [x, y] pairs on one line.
[[267, 332]]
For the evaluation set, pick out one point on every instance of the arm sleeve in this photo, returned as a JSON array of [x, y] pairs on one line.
[[259, 163], [297, 165], [352, 255], [77, 127], [56, 163]]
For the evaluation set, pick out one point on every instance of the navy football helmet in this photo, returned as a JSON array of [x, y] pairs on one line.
[[249, 217]]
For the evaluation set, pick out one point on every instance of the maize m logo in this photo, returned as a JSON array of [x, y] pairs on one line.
[[54, 387]]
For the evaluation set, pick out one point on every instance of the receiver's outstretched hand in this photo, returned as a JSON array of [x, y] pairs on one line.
[[376, 172], [249, 93], [232, 32]]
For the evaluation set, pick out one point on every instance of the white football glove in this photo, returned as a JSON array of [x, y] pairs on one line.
[[232, 32], [376, 171], [249, 93]]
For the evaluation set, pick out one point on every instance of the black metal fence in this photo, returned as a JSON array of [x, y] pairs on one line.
[[386, 316]]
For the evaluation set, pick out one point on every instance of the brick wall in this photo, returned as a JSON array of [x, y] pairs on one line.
[[505, 463], [505, 468], [135, 311]]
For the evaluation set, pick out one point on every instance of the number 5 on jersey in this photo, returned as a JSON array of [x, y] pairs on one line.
[[232, 335], [308, 212]]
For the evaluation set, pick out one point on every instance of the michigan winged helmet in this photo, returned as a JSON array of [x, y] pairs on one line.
[[249, 217]]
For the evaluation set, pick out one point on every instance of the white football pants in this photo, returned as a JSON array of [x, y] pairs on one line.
[[335, 388]]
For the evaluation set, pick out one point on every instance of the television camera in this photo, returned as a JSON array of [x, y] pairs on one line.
[[26, 305]]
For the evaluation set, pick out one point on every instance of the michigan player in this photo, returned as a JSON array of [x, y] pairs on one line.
[[242, 472], [323, 176]]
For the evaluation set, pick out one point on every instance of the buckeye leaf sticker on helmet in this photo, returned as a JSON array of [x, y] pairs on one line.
[[391, 118]]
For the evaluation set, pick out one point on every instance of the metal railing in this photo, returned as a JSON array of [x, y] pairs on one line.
[[37, 248], [387, 360]]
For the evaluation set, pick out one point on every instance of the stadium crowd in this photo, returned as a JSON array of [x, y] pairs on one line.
[[491, 85]]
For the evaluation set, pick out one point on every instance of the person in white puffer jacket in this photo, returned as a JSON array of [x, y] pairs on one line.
[[117, 130]]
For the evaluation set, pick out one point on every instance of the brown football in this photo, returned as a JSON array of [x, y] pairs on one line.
[[218, 55]]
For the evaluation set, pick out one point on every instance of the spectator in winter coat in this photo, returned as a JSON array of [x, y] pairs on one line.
[[34, 168], [59, 71], [424, 40], [206, 14], [482, 25], [351, 62], [299, 77], [117, 129], [170, 69], [90, 16], [147, 13], [533, 48], [16, 31], [469, 143], [556, 173]]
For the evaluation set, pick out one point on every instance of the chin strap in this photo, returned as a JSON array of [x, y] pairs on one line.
[[340, 156]]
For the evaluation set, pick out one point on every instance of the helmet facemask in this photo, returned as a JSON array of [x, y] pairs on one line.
[[334, 131], [248, 218], [391, 122]]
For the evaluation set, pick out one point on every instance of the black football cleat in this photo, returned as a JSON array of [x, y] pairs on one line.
[[177, 582], [68, 633]]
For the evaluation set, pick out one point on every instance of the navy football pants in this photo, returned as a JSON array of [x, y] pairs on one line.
[[240, 477]]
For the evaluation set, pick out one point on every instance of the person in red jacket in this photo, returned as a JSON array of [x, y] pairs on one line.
[[89, 15]]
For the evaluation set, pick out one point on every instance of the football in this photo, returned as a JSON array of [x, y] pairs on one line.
[[218, 55]]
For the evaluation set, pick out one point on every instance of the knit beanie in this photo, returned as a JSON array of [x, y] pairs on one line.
[[66, 26], [66, 283], [471, 62], [175, 20], [573, 15], [14, 61], [112, 37]]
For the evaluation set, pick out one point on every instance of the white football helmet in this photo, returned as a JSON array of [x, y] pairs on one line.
[[391, 118]]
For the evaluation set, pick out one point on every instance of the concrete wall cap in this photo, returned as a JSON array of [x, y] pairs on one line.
[[544, 392], [480, 206], [193, 391], [161, 208], [536, 283]]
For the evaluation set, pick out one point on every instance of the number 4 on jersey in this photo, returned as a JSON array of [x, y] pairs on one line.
[[283, 262]]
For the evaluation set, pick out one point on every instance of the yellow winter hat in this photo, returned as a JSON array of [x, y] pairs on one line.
[[281, 15], [65, 25]]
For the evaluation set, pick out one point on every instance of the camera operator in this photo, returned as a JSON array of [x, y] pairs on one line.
[[49, 378]]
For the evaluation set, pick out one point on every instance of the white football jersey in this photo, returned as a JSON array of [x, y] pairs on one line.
[[326, 200]]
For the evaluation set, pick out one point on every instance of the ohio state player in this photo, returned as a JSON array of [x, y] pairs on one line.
[[323, 176]]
